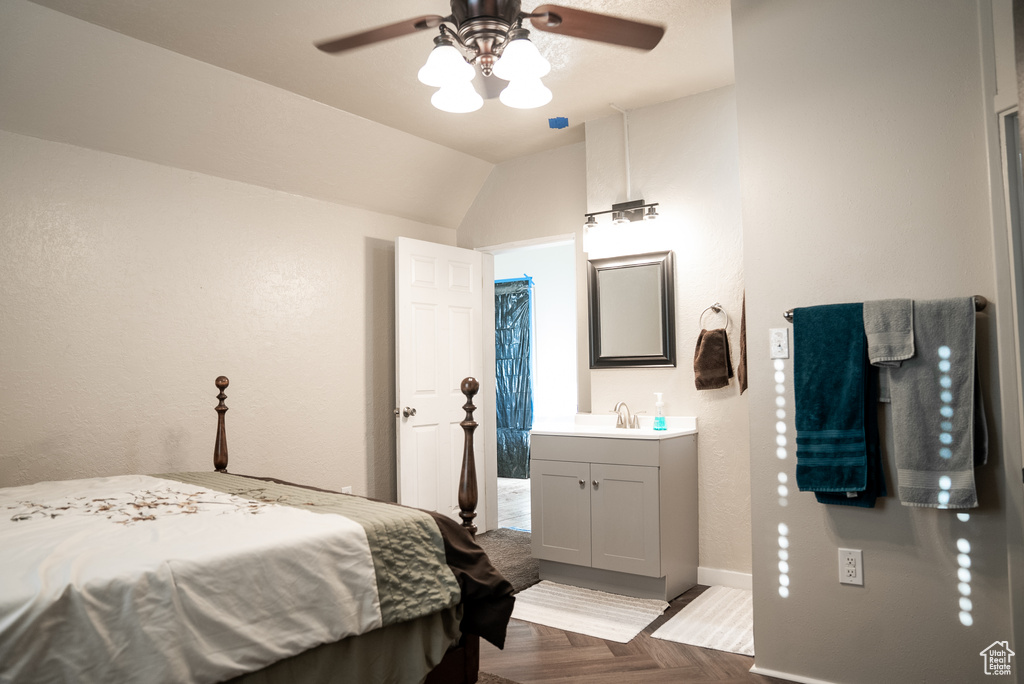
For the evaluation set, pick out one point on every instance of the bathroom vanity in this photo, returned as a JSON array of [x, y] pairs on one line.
[[615, 509]]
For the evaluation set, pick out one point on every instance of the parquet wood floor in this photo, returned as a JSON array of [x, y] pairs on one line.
[[536, 654]]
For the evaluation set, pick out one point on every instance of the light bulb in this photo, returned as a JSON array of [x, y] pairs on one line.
[[445, 65], [457, 98], [594, 237], [521, 59], [525, 93]]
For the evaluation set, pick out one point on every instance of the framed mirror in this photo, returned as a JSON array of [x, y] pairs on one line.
[[632, 311]]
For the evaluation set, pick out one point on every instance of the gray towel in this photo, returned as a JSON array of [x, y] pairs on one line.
[[889, 327], [938, 425], [883, 386]]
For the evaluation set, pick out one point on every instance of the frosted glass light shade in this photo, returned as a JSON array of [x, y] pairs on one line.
[[525, 93], [521, 59], [445, 65], [457, 98]]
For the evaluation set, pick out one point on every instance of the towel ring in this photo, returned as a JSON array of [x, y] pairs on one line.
[[718, 309]]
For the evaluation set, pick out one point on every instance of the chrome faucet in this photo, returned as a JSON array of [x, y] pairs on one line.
[[627, 420]]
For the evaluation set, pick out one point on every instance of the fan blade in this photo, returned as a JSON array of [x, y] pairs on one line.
[[380, 33], [593, 26]]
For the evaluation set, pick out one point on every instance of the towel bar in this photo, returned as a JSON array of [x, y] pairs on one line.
[[979, 305]]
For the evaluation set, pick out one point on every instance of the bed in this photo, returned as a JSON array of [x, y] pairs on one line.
[[207, 577]]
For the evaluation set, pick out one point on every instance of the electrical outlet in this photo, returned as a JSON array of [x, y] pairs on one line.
[[778, 340], [346, 490], [851, 567]]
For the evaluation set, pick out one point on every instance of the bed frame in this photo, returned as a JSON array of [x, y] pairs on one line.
[[461, 664]]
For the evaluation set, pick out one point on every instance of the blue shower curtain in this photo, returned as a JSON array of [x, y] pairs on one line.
[[514, 382]]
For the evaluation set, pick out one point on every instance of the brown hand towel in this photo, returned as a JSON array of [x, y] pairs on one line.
[[712, 366], [741, 372]]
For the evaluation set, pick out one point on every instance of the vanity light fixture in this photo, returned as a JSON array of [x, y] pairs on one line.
[[624, 212]]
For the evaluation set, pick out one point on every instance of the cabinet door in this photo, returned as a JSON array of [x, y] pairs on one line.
[[560, 511], [625, 517]]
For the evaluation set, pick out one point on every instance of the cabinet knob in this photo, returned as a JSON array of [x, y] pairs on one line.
[[595, 484], [583, 483]]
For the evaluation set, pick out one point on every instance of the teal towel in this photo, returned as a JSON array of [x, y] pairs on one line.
[[836, 420]]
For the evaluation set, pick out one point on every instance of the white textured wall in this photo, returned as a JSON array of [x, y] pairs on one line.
[[129, 286], [67, 80], [534, 197], [683, 155], [865, 176]]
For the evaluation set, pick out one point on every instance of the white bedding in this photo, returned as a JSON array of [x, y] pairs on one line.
[[110, 580]]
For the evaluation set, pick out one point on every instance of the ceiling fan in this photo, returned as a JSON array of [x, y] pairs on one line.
[[490, 36]]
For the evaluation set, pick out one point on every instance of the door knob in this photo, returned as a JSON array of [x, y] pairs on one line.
[[407, 412]]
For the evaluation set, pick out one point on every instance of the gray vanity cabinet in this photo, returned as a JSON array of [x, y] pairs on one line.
[[625, 521], [616, 514], [560, 510]]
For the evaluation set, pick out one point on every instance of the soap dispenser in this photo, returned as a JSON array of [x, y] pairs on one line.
[[659, 412]]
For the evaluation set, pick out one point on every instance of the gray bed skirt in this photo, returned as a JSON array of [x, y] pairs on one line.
[[402, 652]]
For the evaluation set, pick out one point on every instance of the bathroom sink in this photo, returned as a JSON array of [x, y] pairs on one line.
[[591, 425]]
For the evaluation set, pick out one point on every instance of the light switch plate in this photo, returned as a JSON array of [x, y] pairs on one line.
[[778, 339]]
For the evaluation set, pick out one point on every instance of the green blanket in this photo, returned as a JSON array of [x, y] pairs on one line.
[[408, 552]]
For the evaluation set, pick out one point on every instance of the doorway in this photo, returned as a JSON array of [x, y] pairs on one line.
[[552, 267]]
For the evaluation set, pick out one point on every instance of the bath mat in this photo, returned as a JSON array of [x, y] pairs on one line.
[[585, 611], [721, 618]]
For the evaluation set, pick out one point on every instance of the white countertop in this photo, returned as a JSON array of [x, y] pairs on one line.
[[602, 425]]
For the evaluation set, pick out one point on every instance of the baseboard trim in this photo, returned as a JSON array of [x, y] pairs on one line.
[[787, 676], [725, 578]]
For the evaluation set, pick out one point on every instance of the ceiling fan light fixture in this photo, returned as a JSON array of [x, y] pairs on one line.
[[521, 58], [525, 93], [445, 65], [457, 98], [488, 36]]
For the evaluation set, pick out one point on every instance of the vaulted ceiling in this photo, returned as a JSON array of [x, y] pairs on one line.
[[272, 41]]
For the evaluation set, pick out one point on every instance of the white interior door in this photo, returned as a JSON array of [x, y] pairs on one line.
[[439, 338]]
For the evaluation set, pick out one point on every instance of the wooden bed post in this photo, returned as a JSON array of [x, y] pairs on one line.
[[467, 481], [220, 448]]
